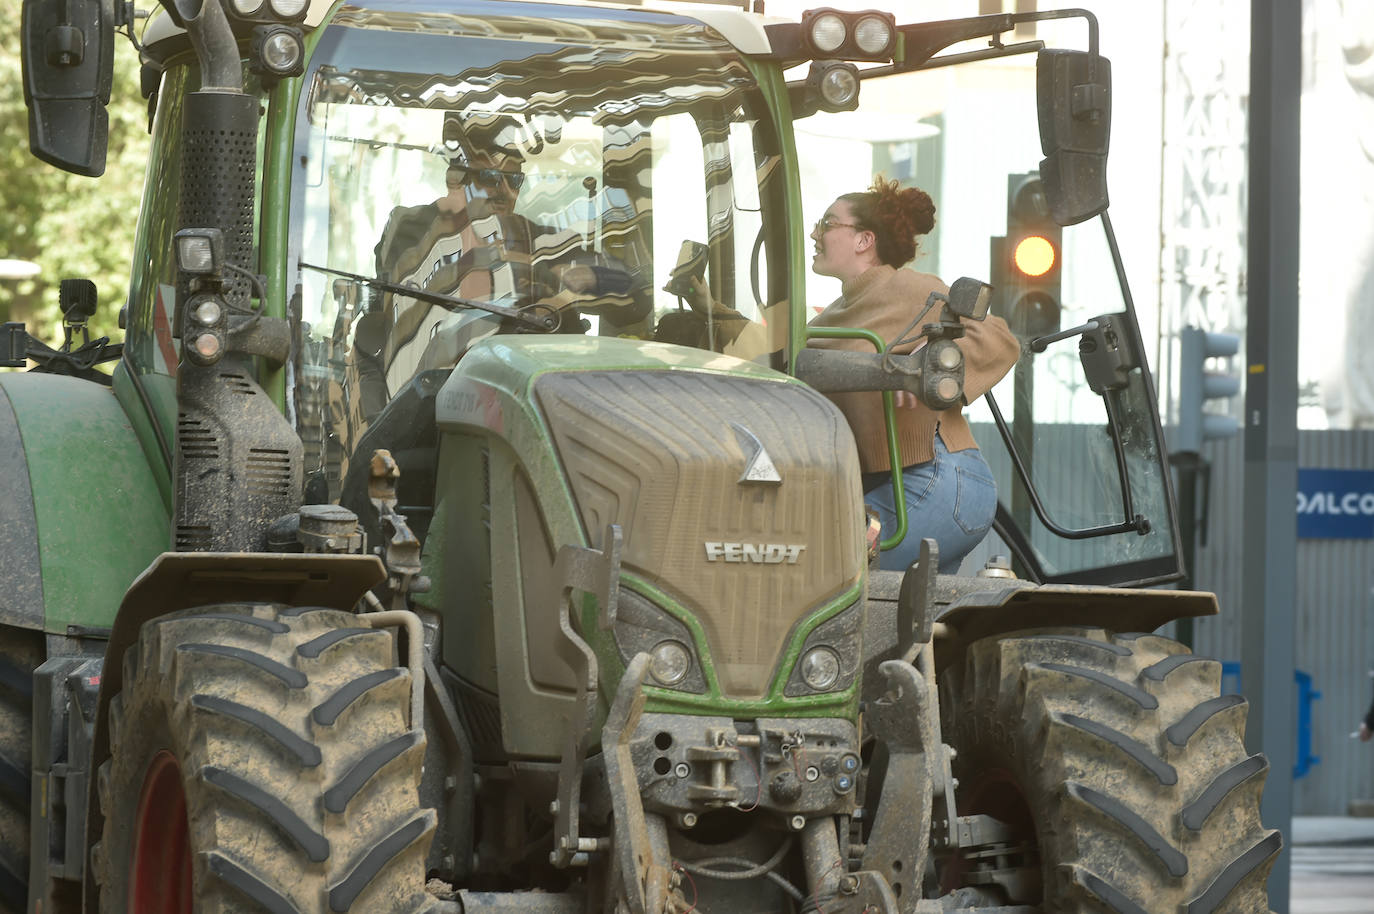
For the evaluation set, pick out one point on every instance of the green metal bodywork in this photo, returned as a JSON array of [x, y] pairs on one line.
[[100, 509], [491, 395]]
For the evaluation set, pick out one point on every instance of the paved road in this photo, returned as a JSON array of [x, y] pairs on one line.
[[1332, 880]]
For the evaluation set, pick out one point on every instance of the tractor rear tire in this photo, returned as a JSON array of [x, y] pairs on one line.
[[21, 652], [262, 760], [1117, 757]]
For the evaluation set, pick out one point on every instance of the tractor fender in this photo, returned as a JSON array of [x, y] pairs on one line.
[[980, 613], [83, 513], [968, 609]]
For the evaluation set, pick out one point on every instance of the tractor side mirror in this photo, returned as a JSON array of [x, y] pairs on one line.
[[969, 297], [1074, 101], [68, 51]]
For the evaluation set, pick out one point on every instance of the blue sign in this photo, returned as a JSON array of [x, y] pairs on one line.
[[1336, 504]]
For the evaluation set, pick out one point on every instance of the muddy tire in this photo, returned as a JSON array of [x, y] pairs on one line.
[[262, 760], [1118, 759], [21, 652]]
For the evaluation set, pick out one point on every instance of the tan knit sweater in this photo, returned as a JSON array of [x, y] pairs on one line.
[[885, 300]]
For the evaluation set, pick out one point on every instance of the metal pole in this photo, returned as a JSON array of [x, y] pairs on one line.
[[1271, 400]]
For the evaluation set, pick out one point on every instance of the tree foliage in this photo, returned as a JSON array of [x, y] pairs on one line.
[[71, 226]]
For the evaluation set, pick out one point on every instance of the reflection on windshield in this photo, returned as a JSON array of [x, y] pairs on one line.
[[574, 167]]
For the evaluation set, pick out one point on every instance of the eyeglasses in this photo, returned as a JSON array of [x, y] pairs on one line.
[[490, 177], [826, 223]]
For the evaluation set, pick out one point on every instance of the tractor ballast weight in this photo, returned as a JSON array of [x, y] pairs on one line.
[[454, 582]]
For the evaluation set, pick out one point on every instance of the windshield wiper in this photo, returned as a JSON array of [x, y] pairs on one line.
[[529, 315]]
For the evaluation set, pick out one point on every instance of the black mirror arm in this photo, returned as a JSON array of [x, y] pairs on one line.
[[1136, 524], [923, 41], [1040, 343]]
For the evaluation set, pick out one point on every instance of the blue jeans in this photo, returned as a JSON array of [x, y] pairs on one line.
[[951, 499]]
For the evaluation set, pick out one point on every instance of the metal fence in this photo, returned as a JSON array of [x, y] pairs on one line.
[[1335, 616]]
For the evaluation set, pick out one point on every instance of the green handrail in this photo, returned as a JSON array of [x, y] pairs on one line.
[[889, 417]]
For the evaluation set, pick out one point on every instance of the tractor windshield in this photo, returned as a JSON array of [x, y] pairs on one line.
[[562, 173], [1072, 432]]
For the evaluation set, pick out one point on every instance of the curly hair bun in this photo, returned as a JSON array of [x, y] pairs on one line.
[[904, 211], [897, 216]]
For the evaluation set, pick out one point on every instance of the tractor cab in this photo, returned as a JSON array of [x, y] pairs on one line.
[[652, 176]]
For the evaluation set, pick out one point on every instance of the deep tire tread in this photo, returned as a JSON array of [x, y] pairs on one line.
[[229, 692], [1165, 821], [249, 885], [1108, 894], [1163, 772], [1146, 701], [21, 652], [328, 711], [337, 798], [1181, 733], [1196, 813], [342, 895], [1128, 819], [15, 680], [14, 782], [1237, 872], [293, 679], [306, 752], [315, 845], [317, 646], [1082, 641], [270, 625], [1158, 672]]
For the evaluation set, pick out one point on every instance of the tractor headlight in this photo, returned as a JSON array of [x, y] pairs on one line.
[[829, 659], [642, 626], [669, 662], [820, 668]]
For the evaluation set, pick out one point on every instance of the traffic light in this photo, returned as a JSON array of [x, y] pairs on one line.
[[1028, 261], [1197, 385]]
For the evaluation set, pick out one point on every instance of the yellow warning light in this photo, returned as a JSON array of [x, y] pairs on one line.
[[1034, 255]]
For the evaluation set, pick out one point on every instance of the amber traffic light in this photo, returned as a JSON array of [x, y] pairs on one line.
[[1035, 255], [1027, 262]]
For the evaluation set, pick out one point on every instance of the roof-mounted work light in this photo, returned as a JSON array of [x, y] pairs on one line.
[[833, 85], [278, 51], [269, 10], [865, 35], [199, 251]]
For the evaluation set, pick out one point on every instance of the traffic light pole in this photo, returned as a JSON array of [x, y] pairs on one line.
[[1268, 630]]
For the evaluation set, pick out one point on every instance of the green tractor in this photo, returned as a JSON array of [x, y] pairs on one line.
[[441, 581]]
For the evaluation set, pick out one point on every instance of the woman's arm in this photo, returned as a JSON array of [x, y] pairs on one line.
[[990, 350]]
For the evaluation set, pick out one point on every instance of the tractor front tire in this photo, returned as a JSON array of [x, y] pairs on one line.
[[1116, 757], [261, 759], [21, 652]]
